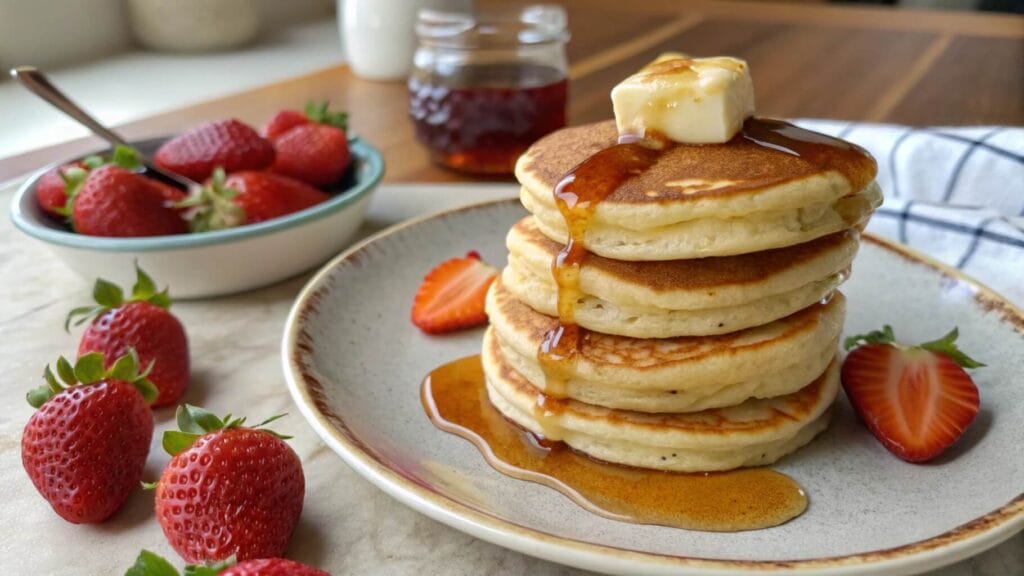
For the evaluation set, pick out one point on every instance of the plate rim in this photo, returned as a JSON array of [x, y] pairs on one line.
[[956, 544]]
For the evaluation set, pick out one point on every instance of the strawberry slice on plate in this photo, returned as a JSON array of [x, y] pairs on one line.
[[916, 400], [452, 295]]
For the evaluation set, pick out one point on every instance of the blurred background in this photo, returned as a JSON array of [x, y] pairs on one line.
[[130, 59]]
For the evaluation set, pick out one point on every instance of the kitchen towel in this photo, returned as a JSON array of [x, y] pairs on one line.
[[954, 193]]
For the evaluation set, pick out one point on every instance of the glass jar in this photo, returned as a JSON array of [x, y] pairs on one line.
[[486, 85]]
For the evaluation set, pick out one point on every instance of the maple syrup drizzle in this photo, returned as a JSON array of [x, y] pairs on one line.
[[455, 399], [577, 196]]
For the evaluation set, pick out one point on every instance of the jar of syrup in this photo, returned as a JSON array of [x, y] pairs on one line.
[[486, 85]]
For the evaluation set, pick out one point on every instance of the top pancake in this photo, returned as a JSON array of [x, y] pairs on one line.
[[710, 180]]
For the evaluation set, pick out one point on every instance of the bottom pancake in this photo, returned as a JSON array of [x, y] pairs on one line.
[[754, 433]]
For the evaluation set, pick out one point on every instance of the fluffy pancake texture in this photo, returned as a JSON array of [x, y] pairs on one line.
[[753, 433], [674, 374], [694, 297], [711, 235], [706, 200]]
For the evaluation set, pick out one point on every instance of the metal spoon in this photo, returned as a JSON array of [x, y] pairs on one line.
[[40, 85]]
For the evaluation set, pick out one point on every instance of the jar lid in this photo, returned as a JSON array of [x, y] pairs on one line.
[[493, 28]]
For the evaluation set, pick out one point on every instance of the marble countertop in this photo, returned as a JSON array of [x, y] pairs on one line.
[[347, 525]]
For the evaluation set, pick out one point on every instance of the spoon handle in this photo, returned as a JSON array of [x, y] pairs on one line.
[[38, 83]]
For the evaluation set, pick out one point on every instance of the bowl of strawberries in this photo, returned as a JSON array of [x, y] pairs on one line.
[[268, 205]]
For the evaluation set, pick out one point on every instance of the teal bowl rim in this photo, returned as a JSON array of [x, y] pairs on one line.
[[368, 174]]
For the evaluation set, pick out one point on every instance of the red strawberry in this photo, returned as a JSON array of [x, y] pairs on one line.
[[314, 153], [229, 144], [141, 323], [86, 446], [116, 202], [312, 147], [248, 198], [282, 122], [172, 195], [52, 187], [229, 490], [272, 567], [917, 400], [55, 187], [452, 295]]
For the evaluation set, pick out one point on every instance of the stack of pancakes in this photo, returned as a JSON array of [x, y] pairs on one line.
[[706, 301]]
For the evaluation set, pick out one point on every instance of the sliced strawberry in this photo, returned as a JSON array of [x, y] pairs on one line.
[[917, 401], [452, 295]]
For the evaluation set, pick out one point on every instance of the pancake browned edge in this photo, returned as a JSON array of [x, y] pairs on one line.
[[754, 433], [695, 297]]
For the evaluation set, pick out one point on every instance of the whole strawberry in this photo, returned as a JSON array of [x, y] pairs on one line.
[[315, 151], [55, 188], [247, 198], [150, 564], [141, 322], [116, 202], [229, 144], [229, 490], [85, 447], [916, 400]]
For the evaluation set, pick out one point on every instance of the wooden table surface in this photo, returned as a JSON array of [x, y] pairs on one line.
[[808, 60]]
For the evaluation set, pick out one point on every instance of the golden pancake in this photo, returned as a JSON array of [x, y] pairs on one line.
[[753, 433], [694, 297], [672, 374], [753, 193]]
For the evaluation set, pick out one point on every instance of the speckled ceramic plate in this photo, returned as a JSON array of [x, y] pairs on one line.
[[354, 365]]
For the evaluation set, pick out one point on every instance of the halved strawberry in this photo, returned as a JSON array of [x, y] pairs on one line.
[[452, 295], [916, 400]]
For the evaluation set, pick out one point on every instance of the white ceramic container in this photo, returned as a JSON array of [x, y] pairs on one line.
[[220, 262]]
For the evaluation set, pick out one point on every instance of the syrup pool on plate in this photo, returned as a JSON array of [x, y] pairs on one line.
[[455, 398]]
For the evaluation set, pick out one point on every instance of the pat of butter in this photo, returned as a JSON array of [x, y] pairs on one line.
[[689, 100]]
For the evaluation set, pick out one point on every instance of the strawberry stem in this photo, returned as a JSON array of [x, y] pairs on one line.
[[945, 345], [320, 112], [89, 369], [108, 295], [212, 207], [194, 422]]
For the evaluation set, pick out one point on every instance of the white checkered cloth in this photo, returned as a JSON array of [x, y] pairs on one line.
[[956, 194]]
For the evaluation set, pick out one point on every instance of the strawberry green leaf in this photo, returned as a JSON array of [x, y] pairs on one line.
[[150, 564], [883, 336], [149, 485], [51, 381], [94, 161], [320, 112], [212, 207], [107, 294], [144, 287], [161, 299], [89, 368], [196, 420], [66, 371], [269, 420], [148, 390], [210, 568], [126, 367], [126, 157], [38, 396], [947, 345], [175, 442], [82, 313]]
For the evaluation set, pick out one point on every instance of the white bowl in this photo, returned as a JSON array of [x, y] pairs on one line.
[[220, 262]]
